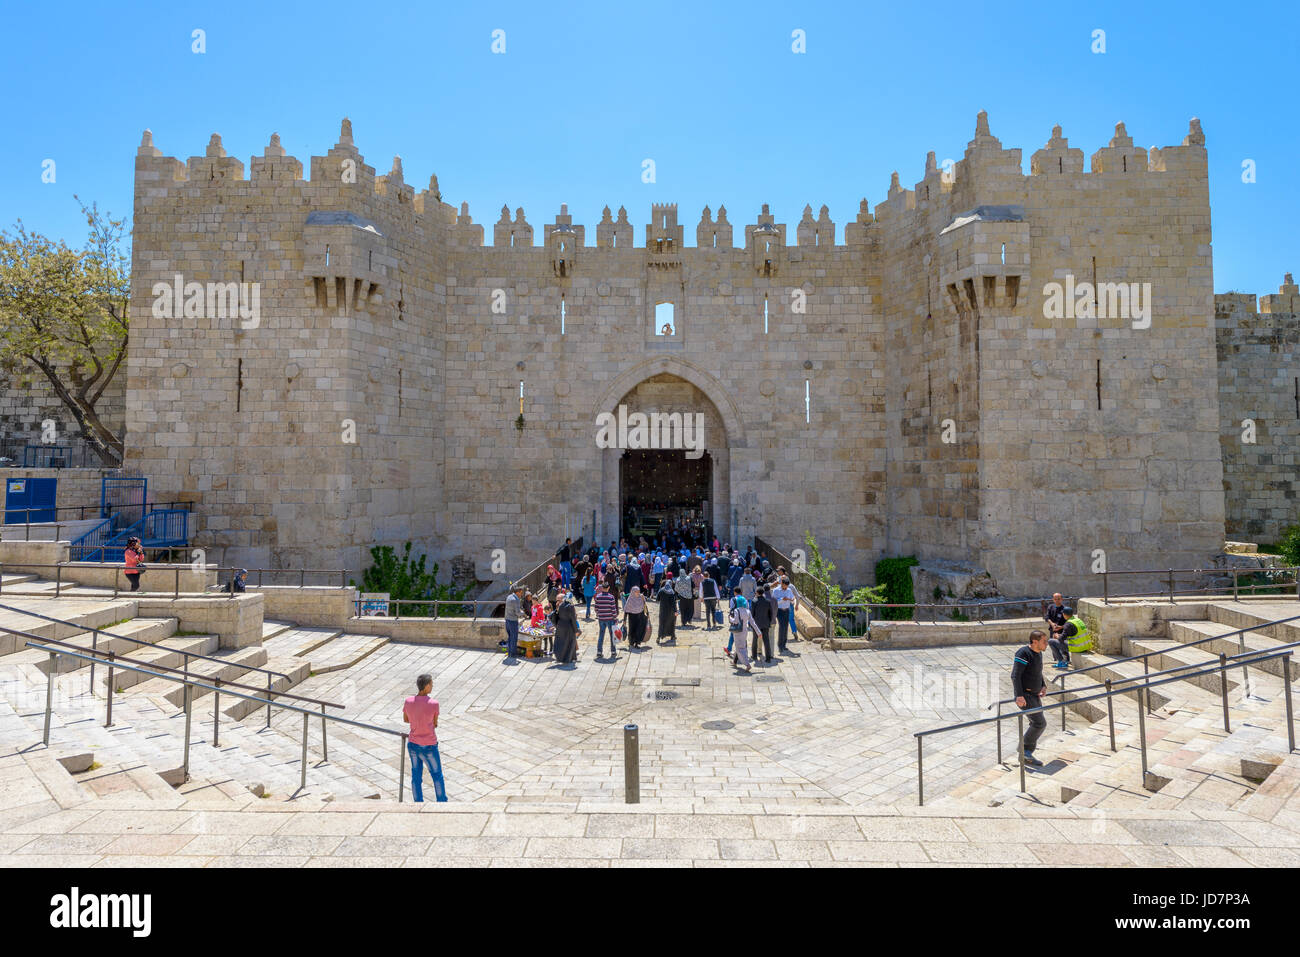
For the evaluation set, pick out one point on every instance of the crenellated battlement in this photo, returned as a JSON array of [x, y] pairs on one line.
[[987, 174]]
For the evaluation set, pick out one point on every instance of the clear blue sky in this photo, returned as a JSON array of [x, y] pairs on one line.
[[711, 92]]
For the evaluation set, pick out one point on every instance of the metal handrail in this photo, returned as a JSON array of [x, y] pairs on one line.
[[96, 632], [538, 572], [189, 683], [118, 659], [105, 509], [176, 569], [1143, 690]]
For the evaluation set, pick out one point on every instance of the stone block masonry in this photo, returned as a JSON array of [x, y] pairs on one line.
[[377, 395]]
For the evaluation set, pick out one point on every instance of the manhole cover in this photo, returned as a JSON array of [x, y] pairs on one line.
[[683, 682], [717, 725], [769, 678], [665, 695]]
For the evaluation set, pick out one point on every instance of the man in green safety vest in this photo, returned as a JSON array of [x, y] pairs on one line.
[[1074, 637]]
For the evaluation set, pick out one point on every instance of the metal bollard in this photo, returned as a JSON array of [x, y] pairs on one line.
[[631, 764]]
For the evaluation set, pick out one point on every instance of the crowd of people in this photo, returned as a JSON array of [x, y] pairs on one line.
[[651, 591]]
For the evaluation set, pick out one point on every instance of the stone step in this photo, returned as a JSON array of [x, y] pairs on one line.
[[297, 670], [13, 578], [1184, 631], [149, 630], [272, 628], [344, 651], [168, 653], [1166, 654], [233, 665], [76, 616], [298, 641], [1250, 614]]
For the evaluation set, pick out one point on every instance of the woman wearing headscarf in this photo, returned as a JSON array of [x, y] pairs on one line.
[[552, 583], [667, 610], [685, 598], [637, 619], [566, 632], [632, 578]]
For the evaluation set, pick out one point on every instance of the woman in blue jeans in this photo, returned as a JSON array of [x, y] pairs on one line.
[[589, 590], [421, 713]]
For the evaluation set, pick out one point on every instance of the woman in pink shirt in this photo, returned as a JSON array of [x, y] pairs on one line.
[[421, 713]]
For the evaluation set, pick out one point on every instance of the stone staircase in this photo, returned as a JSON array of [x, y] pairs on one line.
[[1192, 762], [142, 752]]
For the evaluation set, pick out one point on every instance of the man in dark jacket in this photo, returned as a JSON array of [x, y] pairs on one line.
[[1029, 688], [763, 611]]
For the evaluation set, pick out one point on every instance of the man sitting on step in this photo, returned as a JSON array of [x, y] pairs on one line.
[[1073, 637]]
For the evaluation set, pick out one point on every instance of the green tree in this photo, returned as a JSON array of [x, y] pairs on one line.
[[64, 314], [406, 579], [821, 567]]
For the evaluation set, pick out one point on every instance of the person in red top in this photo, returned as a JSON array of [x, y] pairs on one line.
[[134, 558], [421, 713]]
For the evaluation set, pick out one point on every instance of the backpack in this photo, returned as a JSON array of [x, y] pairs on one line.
[[734, 618]]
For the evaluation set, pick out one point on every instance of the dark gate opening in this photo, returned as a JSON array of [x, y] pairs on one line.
[[662, 492]]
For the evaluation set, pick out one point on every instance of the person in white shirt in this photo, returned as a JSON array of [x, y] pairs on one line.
[[786, 601]]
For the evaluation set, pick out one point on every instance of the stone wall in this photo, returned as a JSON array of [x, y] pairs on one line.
[[27, 401], [375, 394], [1259, 408]]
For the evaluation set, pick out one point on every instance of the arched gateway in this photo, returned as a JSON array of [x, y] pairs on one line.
[[666, 451]]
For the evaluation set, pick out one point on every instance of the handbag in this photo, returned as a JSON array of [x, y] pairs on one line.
[[717, 616]]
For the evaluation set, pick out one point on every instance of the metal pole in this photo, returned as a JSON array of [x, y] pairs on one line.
[[94, 650], [109, 722], [185, 768], [998, 725], [631, 765], [324, 738], [1020, 734], [176, 591], [1223, 688], [1235, 595], [49, 697], [920, 773], [268, 699], [401, 771], [216, 712], [1063, 699], [302, 786], [58, 579], [1105, 588], [1142, 728], [1286, 690], [1146, 670], [1110, 713], [1171, 586]]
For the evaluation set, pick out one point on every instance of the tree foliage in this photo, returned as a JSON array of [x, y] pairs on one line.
[[406, 579], [64, 314]]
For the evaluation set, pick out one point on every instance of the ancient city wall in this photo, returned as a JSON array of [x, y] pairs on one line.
[[1259, 408], [375, 396]]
